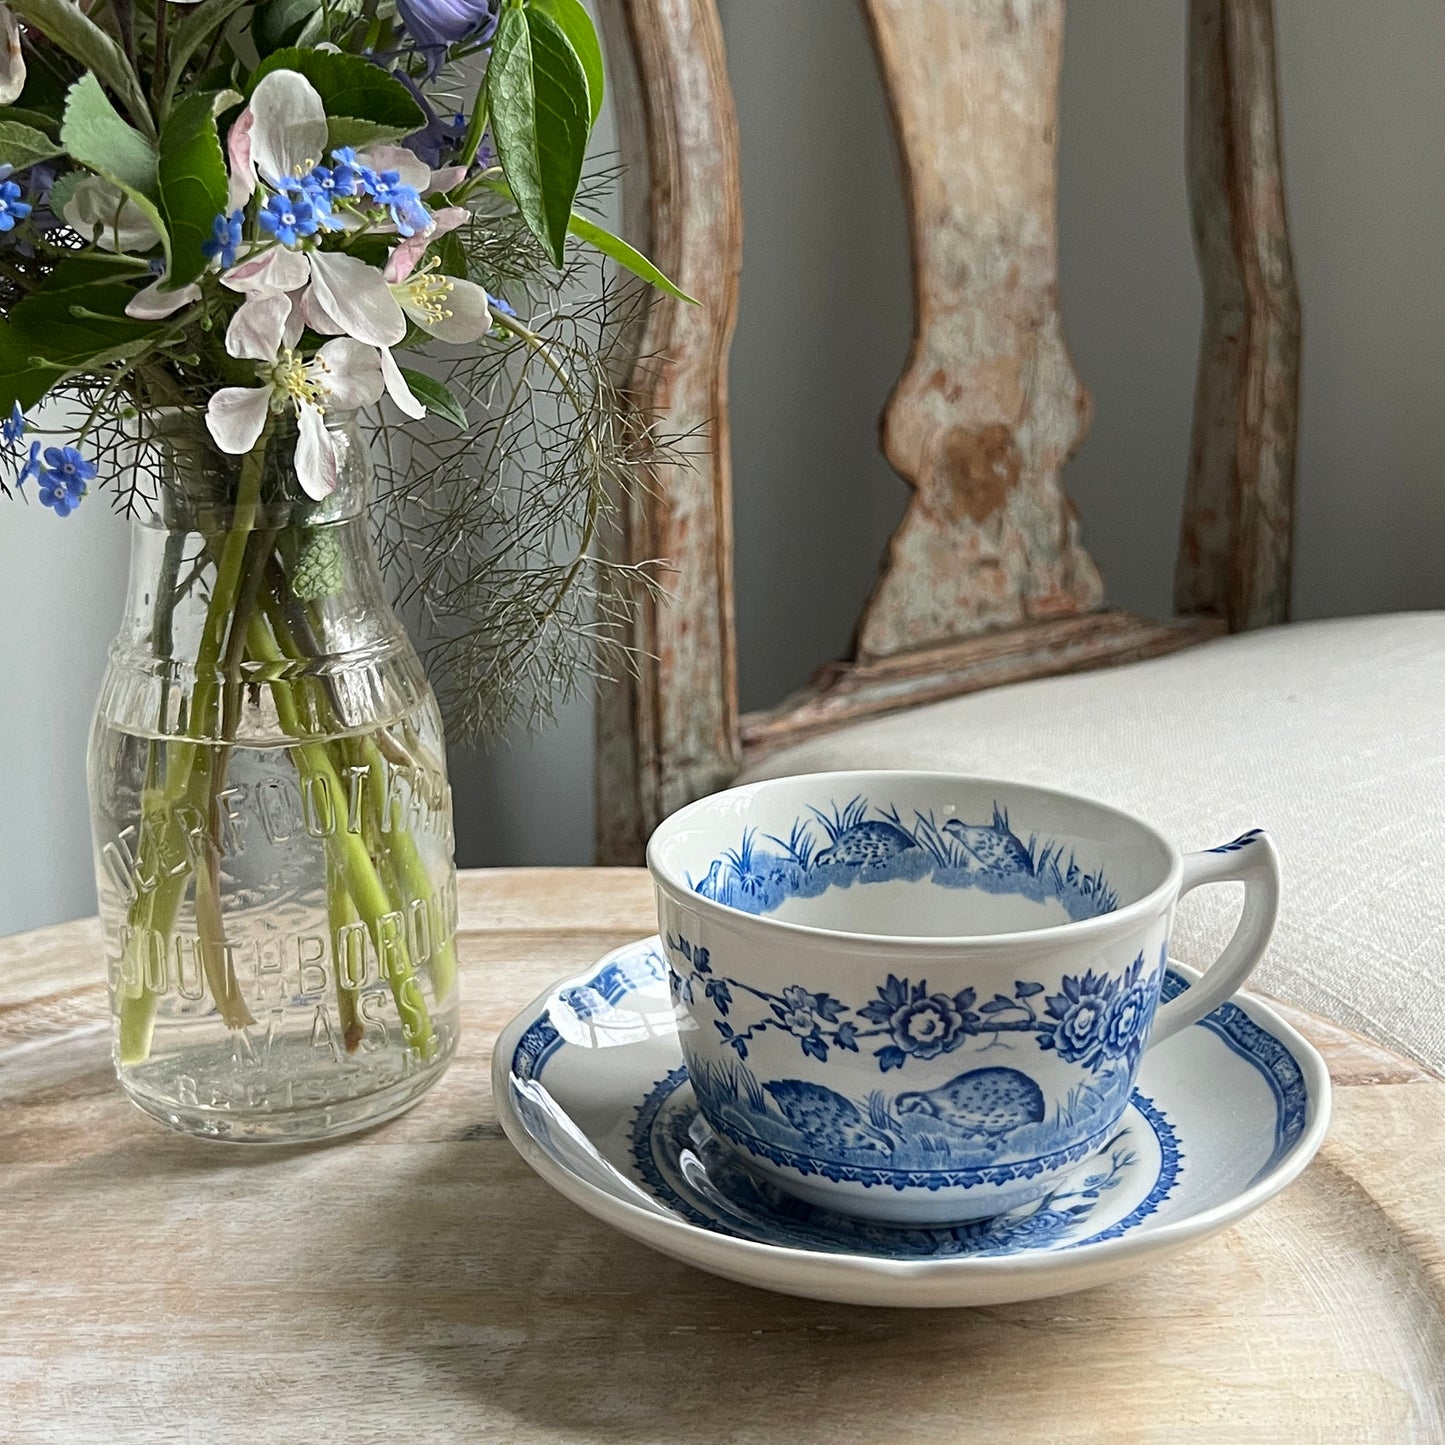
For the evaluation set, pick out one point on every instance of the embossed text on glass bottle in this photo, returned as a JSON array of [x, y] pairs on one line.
[[271, 813]]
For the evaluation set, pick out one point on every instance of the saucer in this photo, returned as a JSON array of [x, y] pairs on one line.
[[591, 1088]]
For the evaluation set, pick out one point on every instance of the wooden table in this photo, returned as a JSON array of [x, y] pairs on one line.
[[419, 1283]]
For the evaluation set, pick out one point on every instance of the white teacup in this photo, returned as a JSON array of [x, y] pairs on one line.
[[919, 997]]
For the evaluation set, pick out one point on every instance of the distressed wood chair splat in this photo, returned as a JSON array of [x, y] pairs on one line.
[[989, 406], [986, 580]]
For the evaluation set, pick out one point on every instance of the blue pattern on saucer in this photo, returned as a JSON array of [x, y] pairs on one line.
[[684, 1164]]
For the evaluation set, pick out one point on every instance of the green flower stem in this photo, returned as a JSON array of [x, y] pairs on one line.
[[341, 914], [152, 912], [412, 874], [353, 862], [413, 880], [188, 781]]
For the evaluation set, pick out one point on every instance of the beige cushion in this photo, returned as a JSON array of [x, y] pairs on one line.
[[1331, 735]]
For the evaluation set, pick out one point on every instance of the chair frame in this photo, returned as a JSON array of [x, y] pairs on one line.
[[985, 580]]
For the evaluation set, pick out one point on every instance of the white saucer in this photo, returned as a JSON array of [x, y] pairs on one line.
[[591, 1088]]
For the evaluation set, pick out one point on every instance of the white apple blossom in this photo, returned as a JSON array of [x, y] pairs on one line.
[[12, 59], [343, 376], [352, 294], [152, 303], [410, 249], [97, 208], [444, 306], [280, 135]]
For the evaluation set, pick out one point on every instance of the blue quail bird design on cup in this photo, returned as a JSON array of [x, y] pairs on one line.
[[920, 998], [987, 1104], [867, 845]]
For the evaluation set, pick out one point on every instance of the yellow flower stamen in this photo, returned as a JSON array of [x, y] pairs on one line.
[[294, 380], [427, 292]]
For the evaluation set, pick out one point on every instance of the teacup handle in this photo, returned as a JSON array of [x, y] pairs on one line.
[[1250, 860]]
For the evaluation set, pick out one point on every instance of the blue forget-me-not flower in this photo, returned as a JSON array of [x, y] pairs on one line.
[[32, 469], [62, 482], [225, 239], [12, 206], [289, 217]]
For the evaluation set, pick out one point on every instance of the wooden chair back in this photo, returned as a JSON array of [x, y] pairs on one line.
[[985, 581]]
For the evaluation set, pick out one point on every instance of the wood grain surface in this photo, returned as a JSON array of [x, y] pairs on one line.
[[842, 692], [419, 1283], [1238, 524], [667, 731], [989, 406]]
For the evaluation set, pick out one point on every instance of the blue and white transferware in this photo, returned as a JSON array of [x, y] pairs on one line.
[[920, 998], [591, 1086]]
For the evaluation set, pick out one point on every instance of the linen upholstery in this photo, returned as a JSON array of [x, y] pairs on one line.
[[1330, 735]]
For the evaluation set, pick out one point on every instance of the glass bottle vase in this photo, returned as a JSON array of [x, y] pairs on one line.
[[270, 807]]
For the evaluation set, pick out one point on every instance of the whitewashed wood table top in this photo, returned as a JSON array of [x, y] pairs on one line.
[[419, 1283]]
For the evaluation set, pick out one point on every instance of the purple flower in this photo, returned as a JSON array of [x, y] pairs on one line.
[[437, 140], [437, 24], [41, 178]]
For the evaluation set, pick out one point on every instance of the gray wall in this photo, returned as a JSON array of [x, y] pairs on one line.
[[822, 335], [61, 587]]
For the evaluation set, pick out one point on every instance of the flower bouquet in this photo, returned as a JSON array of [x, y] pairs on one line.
[[226, 228]]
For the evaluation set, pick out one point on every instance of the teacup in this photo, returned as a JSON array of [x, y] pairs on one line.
[[922, 998]]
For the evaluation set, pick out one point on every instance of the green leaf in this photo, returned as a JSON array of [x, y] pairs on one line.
[[436, 397], [91, 267], [451, 254], [351, 87], [346, 130], [22, 145], [192, 176], [65, 23], [625, 255], [198, 23], [279, 23], [43, 341], [97, 138], [63, 189], [602, 240], [572, 19], [37, 119], [537, 97]]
